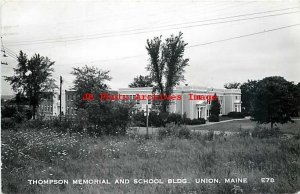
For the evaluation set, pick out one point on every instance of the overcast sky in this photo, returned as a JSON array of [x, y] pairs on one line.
[[262, 37]]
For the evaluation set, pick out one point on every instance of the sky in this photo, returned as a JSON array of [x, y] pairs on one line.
[[228, 41]]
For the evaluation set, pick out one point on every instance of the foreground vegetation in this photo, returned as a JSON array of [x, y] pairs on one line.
[[46, 154]]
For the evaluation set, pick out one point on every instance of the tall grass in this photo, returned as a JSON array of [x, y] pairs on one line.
[[44, 154]]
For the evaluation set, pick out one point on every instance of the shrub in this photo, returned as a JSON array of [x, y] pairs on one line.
[[264, 132], [155, 119], [109, 118], [184, 132], [33, 124], [166, 131], [8, 111], [28, 114], [7, 123], [198, 121], [213, 118], [174, 118], [19, 117], [187, 121], [139, 119], [173, 130], [236, 115]]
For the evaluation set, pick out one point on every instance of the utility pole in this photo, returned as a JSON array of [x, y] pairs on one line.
[[60, 86], [4, 54], [147, 121]]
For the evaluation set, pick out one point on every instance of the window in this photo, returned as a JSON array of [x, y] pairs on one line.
[[236, 108], [236, 97], [68, 110], [68, 97], [149, 102], [51, 108]]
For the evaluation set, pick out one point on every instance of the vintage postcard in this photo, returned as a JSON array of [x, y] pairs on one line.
[[150, 96]]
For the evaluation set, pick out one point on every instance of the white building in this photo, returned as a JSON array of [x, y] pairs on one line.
[[193, 101], [50, 106]]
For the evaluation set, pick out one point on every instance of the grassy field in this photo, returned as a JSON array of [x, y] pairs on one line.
[[43, 154], [248, 125], [231, 126]]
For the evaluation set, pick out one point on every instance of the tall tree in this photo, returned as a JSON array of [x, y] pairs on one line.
[[141, 81], [167, 64], [214, 109], [99, 116], [233, 85], [274, 101], [215, 105], [89, 80], [297, 96], [33, 78], [248, 91]]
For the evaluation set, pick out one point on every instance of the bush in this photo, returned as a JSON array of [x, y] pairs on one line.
[[184, 132], [264, 132], [156, 119], [199, 121], [7, 123], [28, 114], [175, 131], [19, 117], [109, 118], [213, 118], [139, 119], [8, 111], [166, 131], [189, 121], [34, 124], [174, 118], [236, 115]]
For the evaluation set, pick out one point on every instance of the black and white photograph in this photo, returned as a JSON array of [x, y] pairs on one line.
[[150, 96]]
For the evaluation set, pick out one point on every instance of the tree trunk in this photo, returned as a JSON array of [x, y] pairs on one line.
[[33, 111], [164, 106], [272, 123]]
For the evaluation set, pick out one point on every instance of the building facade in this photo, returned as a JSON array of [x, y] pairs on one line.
[[70, 97], [194, 101], [50, 105], [47, 107]]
